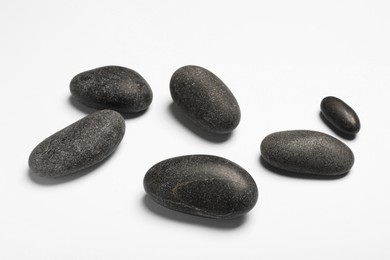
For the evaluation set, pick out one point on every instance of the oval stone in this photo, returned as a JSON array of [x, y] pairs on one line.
[[340, 115], [112, 87], [307, 152], [205, 99], [202, 185], [78, 146]]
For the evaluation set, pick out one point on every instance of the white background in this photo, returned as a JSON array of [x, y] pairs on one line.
[[279, 58]]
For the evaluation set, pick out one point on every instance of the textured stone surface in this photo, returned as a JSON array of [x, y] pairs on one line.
[[202, 185], [205, 99], [340, 115], [78, 146], [112, 87], [307, 152]]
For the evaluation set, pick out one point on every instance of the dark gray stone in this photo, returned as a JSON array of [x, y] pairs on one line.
[[307, 152], [340, 115], [112, 87], [205, 99], [202, 185], [78, 146]]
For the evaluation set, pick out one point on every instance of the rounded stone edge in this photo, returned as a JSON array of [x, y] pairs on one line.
[[216, 217], [306, 174], [54, 176], [201, 123], [99, 106], [331, 121]]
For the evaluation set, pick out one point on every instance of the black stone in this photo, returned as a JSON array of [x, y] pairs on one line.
[[308, 153], [340, 115], [78, 146], [202, 185], [205, 99], [112, 87]]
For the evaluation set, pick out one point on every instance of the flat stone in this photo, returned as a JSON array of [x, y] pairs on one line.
[[307, 152], [202, 185], [340, 115], [205, 99], [112, 87], [78, 146]]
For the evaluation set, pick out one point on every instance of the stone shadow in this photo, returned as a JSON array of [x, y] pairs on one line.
[[224, 224]]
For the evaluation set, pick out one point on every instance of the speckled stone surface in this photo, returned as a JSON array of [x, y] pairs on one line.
[[205, 99], [202, 185], [112, 87], [78, 146], [340, 115], [307, 152]]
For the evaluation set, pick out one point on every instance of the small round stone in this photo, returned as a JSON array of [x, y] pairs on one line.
[[78, 146], [112, 87], [202, 185], [309, 153], [205, 99], [340, 115]]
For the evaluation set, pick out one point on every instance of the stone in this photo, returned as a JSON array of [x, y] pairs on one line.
[[309, 153], [112, 87], [340, 115], [78, 146], [202, 185], [205, 99]]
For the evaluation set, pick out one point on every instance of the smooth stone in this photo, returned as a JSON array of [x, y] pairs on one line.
[[340, 115], [78, 146], [112, 87], [205, 99], [308, 153], [202, 185]]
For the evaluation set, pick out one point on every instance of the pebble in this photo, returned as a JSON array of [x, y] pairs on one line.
[[202, 185], [205, 99], [340, 115], [78, 146], [309, 153], [112, 87]]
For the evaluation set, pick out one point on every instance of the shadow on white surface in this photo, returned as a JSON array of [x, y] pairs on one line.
[[225, 224], [335, 130], [271, 168], [185, 121], [89, 110]]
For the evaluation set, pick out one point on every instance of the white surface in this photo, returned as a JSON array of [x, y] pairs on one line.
[[279, 58]]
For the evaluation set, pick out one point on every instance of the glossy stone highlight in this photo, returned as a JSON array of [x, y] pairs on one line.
[[112, 87], [308, 153], [205, 99], [340, 115], [202, 185], [78, 146]]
